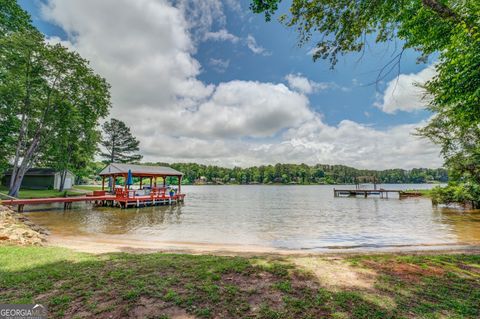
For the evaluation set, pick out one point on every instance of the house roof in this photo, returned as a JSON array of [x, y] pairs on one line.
[[146, 170], [36, 172]]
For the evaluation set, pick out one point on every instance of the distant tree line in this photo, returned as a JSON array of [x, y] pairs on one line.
[[303, 174]]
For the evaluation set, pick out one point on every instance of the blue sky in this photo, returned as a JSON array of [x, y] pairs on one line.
[[228, 59]]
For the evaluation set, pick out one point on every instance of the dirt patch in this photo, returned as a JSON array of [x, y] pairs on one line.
[[257, 288], [337, 274], [153, 308], [405, 271], [16, 229]]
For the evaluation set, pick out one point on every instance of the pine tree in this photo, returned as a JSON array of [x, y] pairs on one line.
[[119, 144]]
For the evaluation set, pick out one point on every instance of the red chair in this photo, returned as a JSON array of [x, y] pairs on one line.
[[120, 193]]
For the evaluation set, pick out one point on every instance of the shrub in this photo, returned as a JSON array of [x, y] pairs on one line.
[[457, 193]]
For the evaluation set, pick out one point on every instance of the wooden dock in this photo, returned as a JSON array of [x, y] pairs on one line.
[[382, 193], [120, 200]]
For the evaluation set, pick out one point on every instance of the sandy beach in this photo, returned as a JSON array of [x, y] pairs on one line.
[[107, 244]]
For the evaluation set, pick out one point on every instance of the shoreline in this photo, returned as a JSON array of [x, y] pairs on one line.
[[105, 244]]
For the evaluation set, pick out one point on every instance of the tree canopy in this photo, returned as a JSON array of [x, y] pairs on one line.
[[13, 18]]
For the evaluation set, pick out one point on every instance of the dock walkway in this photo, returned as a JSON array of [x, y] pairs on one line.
[[101, 200], [383, 193]]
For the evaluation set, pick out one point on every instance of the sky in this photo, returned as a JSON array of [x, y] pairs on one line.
[[210, 82]]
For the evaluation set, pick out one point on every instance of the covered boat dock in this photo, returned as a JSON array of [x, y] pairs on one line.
[[126, 195], [150, 193]]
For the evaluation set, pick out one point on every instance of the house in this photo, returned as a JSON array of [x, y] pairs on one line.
[[41, 178], [201, 181]]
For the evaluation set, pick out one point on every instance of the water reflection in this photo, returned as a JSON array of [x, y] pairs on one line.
[[297, 217]]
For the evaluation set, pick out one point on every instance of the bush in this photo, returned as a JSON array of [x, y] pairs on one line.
[[467, 194]]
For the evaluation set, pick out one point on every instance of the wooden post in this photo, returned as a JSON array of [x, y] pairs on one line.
[[114, 182], [155, 183], [180, 184], [164, 181], [141, 182], [151, 180], [103, 183], [125, 181]]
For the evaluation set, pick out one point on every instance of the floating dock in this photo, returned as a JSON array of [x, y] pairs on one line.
[[383, 193]]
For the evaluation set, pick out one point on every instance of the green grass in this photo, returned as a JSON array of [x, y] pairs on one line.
[[89, 187], [41, 193], [165, 285], [422, 192]]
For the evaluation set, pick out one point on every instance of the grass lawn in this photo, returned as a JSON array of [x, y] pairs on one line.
[[157, 285], [41, 193], [89, 187], [423, 192]]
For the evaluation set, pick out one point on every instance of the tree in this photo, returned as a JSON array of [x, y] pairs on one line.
[[12, 19], [42, 83], [74, 142], [447, 27], [119, 143]]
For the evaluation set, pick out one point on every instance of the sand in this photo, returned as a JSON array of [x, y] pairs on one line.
[[105, 244]]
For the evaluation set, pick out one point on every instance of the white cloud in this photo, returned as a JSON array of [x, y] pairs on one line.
[[311, 142], [246, 109], [221, 35], [359, 145], [254, 47], [235, 6], [142, 47], [201, 16], [301, 84], [404, 92], [146, 48], [219, 65]]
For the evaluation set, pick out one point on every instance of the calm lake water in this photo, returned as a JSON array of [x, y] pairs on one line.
[[291, 217]]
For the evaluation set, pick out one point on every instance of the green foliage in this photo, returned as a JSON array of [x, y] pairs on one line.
[[73, 143], [12, 19], [302, 174], [467, 193], [456, 105], [344, 26], [54, 100], [119, 143]]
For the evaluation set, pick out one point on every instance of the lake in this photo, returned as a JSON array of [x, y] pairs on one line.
[[282, 217]]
